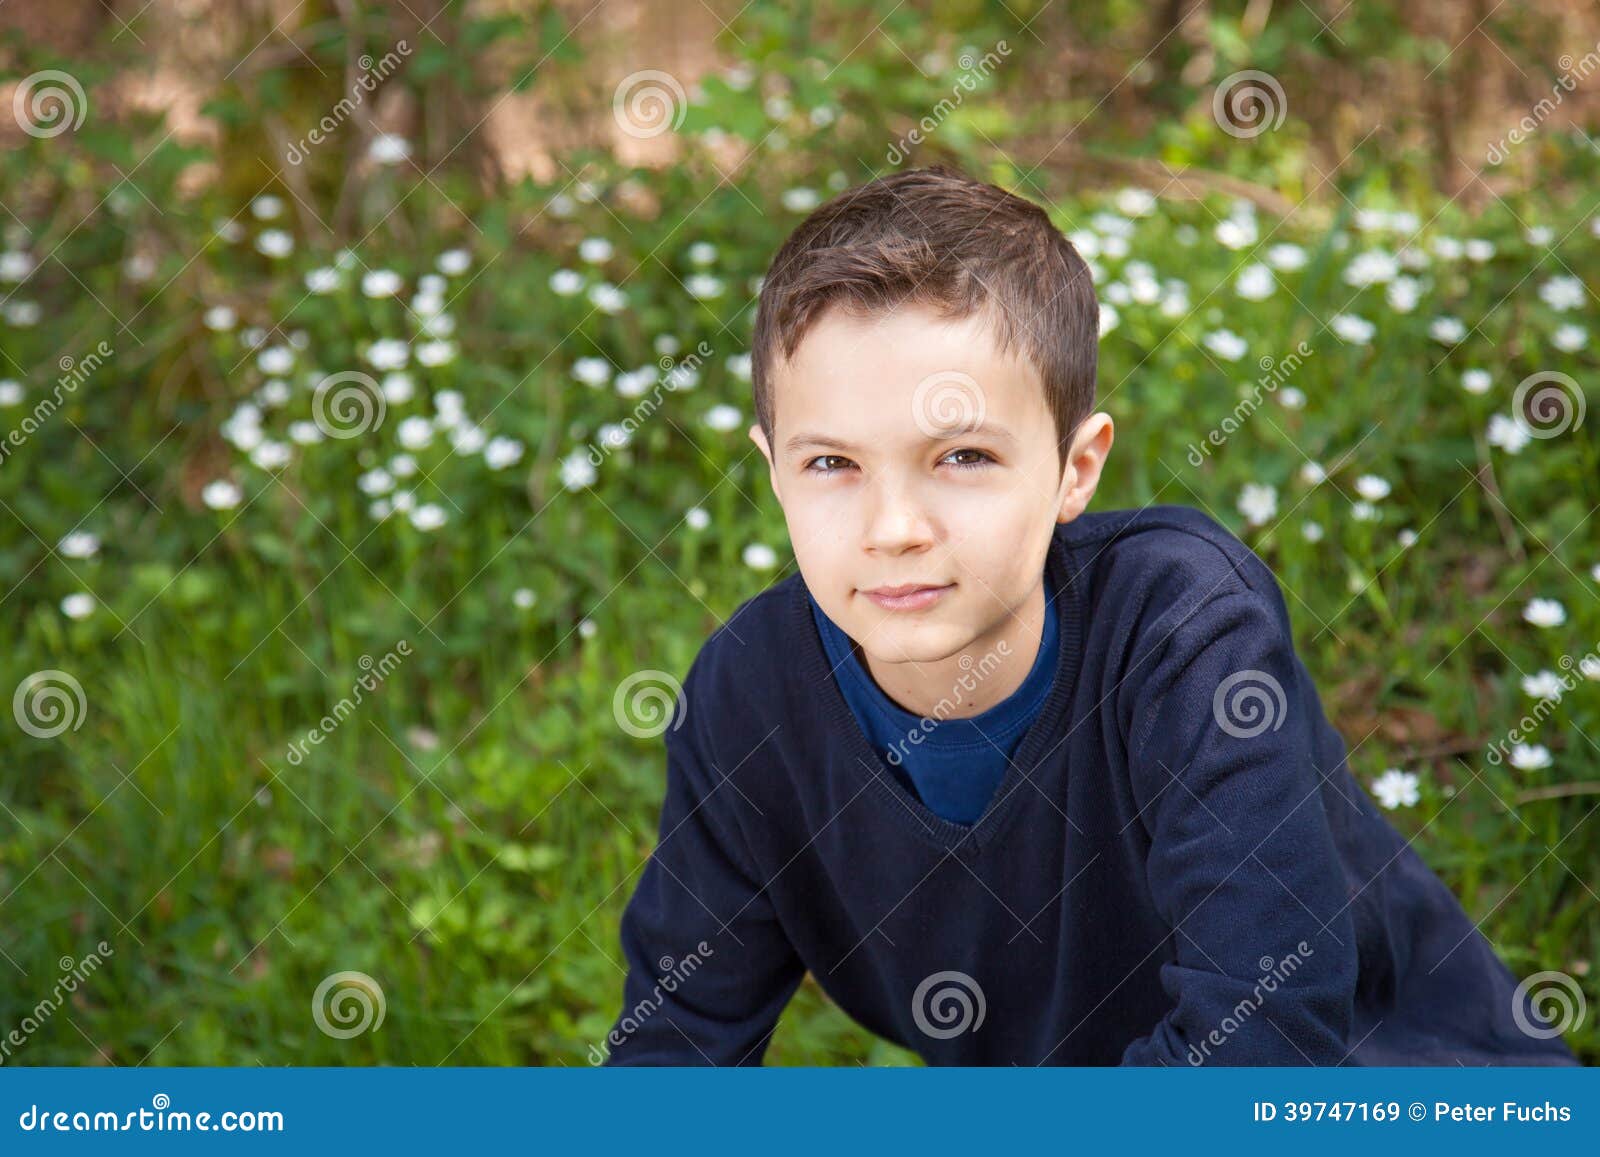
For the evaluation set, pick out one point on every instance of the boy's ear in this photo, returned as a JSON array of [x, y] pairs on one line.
[[1085, 462], [759, 437]]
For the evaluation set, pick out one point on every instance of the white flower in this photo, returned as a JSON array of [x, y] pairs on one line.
[[79, 544], [1174, 298], [1407, 538], [614, 436], [453, 262], [398, 388], [219, 318], [523, 598], [577, 471], [1372, 487], [1236, 233], [566, 282], [1396, 788], [270, 455], [1108, 318], [1355, 330], [375, 481], [1226, 344], [23, 313], [739, 366], [595, 250], [1570, 338], [414, 433], [79, 605], [1363, 511], [1403, 294], [632, 383], [800, 199], [1085, 242], [696, 518], [431, 283], [681, 377], [380, 508], [1539, 235], [1543, 685], [702, 253], [1447, 247], [404, 501], [1544, 613], [586, 628], [502, 452], [468, 439], [1529, 756], [1313, 473], [278, 359], [1475, 381], [304, 433], [436, 353], [388, 149], [759, 556], [15, 265], [1562, 293], [1448, 330], [1589, 667], [389, 353], [1510, 434], [10, 392], [1371, 268], [275, 392], [450, 405], [428, 516], [1292, 397], [723, 418], [1258, 503], [1594, 572], [380, 283], [594, 372], [1255, 283], [1286, 256], [1136, 202], [1311, 531], [704, 286], [1478, 249], [322, 280], [275, 243], [402, 466], [266, 207], [607, 298], [221, 494], [1115, 248], [666, 344]]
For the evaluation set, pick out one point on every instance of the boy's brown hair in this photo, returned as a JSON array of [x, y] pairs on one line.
[[935, 236]]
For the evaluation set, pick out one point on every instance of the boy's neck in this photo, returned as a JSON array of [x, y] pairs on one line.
[[962, 686]]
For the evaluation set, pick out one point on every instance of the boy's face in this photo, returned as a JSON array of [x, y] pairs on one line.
[[942, 470]]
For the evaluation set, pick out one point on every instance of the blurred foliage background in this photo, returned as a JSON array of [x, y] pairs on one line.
[[324, 333]]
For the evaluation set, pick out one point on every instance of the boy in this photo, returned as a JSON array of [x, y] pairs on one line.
[[1016, 783]]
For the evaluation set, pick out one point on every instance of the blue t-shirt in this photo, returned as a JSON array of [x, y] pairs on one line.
[[953, 765]]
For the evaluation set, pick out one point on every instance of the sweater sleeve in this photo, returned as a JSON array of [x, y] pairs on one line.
[[1242, 863], [709, 968]]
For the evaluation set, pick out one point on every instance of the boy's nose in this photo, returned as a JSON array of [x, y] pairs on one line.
[[896, 520]]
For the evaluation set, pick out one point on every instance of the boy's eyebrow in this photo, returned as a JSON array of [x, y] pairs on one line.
[[990, 429]]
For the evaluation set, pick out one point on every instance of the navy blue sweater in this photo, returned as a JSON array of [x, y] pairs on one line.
[[1177, 867]]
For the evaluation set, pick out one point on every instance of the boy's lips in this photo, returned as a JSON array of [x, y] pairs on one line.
[[908, 596]]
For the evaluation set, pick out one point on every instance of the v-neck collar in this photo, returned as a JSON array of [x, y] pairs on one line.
[[1037, 742]]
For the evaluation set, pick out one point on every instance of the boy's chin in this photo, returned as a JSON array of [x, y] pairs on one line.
[[918, 642]]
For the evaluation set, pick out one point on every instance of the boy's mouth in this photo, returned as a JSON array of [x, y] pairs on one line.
[[908, 596]]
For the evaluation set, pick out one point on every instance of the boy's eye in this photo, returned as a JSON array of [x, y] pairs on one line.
[[982, 458], [812, 465]]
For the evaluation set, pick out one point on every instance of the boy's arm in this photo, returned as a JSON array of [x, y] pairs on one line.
[[1242, 862], [709, 966]]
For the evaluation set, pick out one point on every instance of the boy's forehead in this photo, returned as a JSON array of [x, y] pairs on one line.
[[903, 374]]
